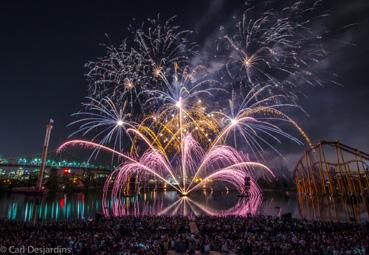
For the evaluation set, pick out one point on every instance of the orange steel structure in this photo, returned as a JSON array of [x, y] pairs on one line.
[[332, 168]]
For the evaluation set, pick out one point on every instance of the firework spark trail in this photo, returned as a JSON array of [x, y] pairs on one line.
[[134, 162], [255, 117], [223, 163], [127, 73], [106, 121], [179, 117], [275, 48], [183, 88], [218, 159], [162, 44], [115, 75], [192, 153], [182, 85]]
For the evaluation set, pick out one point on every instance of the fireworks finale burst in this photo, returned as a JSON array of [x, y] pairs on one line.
[[190, 127]]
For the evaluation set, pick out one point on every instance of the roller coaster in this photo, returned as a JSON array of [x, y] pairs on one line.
[[332, 168]]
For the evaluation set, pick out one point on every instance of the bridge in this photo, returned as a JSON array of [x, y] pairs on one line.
[[35, 162], [46, 161], [331, 167]]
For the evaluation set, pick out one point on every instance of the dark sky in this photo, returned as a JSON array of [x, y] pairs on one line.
[[44, 45]]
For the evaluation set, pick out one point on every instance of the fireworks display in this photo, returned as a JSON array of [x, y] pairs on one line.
[[276, 48], [107, 116], [189, 126]]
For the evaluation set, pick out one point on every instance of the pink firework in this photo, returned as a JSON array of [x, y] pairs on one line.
[[192, 169], [185, 206]]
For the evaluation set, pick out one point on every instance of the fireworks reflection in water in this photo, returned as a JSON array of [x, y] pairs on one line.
[[170, 204]]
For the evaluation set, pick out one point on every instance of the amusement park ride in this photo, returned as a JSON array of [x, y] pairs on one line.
[[39, 189], [332, 168]]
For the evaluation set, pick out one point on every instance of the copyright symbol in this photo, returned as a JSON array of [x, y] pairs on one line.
[[3, 249]]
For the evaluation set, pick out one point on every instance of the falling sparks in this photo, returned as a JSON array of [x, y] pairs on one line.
[[275, 47], [180, 117]]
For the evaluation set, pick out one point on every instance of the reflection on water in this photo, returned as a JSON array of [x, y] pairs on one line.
[[334, 208], [169, 203], [58, 207], [67, 207]]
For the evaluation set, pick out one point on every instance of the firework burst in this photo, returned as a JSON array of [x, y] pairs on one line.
[[277, 48], [160, 45], [126, 73], [254, 120], [115, 76], [105, 121], [178, 118], [192, 169]]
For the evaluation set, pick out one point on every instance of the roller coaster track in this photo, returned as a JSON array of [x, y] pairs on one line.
[[332, 168]]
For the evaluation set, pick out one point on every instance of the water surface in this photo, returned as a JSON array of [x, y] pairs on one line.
[[85, 205]]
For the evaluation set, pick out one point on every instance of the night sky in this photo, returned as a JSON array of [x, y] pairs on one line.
[[45, 44]]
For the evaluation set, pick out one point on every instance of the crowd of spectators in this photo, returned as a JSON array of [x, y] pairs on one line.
[[164, 234]]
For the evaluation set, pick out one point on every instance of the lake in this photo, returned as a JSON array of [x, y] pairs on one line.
[[86, 205]]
